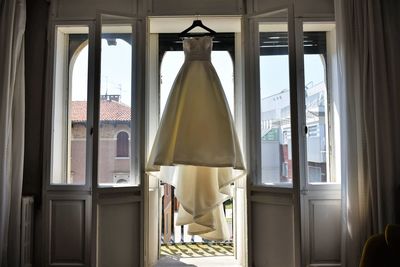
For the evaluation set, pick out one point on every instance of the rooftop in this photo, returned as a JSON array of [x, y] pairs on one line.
[[109, 111]]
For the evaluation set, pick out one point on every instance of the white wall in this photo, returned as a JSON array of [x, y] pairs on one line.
[[88, 8], [303, 8]]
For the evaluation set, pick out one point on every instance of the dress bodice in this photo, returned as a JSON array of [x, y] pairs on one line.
[[197, 48]]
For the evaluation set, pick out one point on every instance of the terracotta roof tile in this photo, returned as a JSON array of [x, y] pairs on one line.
[[109, 111]]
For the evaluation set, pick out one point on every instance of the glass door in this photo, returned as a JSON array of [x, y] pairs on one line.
[[320, 188], [295, 194], [116, 225], [67, 190], [92, 194], [274, 171]]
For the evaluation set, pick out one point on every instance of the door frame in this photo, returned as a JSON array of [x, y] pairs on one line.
[[256, 193], [152, 188]]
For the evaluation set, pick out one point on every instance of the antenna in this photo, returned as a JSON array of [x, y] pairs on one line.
[[106, 85]]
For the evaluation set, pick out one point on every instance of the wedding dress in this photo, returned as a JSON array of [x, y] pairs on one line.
[[196, 148]]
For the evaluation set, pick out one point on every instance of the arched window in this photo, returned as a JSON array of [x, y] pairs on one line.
[[122, 144]]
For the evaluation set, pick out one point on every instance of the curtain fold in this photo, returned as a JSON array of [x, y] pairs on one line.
[[12, 113], [368, 35]]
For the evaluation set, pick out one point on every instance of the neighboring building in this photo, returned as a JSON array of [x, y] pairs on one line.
[[114, 145], [317, 136], [276, 136]]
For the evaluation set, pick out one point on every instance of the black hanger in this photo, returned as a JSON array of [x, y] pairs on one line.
[[197, 23]]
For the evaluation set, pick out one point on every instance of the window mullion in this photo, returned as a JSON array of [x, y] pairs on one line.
[[136, 146], [301, 106], [95, 103], [253, 81], [90, 107], [296, 110]]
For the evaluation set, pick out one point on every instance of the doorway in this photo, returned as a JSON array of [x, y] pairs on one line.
[[165, 57], [175, 240]]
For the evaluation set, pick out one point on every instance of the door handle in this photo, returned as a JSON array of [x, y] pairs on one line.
[[304, 191]]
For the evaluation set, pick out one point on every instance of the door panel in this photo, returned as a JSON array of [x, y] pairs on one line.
[[321, 228], [293, 158], [118, 232], [115, 131], [68, 230], [273, 233], [325, 224], [274, 221], [67, 196], [117, 208], [320, 187], [93, 202]]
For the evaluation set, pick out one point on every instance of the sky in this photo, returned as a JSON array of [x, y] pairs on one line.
[[116, 72], [274, 73]]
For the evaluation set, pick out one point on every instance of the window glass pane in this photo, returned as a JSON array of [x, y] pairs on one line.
[[122, 144], [316, 101], [70, 105], [115, 125], [276, 140]]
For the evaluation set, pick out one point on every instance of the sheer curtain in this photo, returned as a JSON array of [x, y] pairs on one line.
[[12, 112], [368, 47]]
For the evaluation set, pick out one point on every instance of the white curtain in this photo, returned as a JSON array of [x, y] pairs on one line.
[[12, 113], [368, 48]]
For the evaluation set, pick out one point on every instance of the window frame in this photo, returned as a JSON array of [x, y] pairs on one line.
[[50, 105], [256, 179], [333, 142], [137, 157], [299, 113]]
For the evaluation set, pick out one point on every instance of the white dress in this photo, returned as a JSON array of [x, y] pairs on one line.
[[196, 148]]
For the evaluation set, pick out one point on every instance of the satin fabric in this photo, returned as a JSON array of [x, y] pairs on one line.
[[196, 127], [196, 148], [201, 192]]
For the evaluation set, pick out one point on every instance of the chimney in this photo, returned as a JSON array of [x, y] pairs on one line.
[[115, 98]]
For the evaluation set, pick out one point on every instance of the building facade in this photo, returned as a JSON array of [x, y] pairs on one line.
[[114, 143]]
